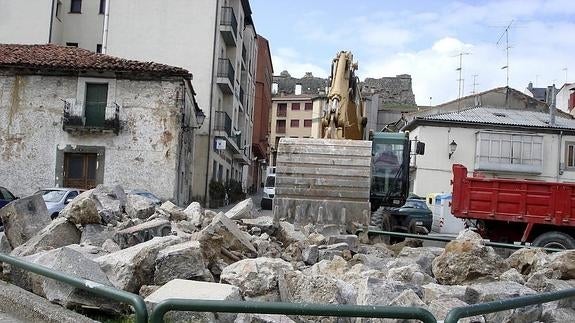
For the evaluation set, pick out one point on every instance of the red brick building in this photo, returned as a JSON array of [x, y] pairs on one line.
[[262, 108]]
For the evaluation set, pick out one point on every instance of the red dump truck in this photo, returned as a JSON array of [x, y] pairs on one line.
[[511, 210]]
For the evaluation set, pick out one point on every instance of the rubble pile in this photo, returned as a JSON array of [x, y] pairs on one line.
[[166, 251]]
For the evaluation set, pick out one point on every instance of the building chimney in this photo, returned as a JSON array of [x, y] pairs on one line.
[[297, 90]]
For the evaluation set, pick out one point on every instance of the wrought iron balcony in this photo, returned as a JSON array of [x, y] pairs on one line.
[[98, 119], [223, 122], [226, 75], [229, 26]]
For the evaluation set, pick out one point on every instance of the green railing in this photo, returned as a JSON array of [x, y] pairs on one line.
[[445, 239], [197, 305], [485, 308], [136, 301]]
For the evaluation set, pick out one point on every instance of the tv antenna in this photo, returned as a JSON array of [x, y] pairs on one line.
[[565, 69], [460, 79], [506, 34], [474, 83]]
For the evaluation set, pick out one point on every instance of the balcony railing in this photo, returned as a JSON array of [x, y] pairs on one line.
[[223, 122], [100, 119], [226, 69], [229, 26]]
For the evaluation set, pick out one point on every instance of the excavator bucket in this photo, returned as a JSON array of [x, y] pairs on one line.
[[324, 182]]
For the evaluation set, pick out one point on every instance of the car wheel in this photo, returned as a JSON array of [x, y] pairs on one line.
[[554, 239]]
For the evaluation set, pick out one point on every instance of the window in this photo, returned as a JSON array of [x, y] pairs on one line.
[[280, 126], [76, 6], [96, 100], [294, 123], [72, 44], [308, 106], [497, 151], [307, 123], [282, 110], [570, 155], [98, 48], [295, 106], [102, 6]]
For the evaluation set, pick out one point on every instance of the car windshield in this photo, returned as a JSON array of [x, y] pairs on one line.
[[415, 204], [52, 195], [270, 181]]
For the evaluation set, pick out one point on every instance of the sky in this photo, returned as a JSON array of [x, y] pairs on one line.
[[423, 39]]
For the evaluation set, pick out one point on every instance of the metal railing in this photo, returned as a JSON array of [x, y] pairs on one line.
[[392, 312], [75, 117], [226, 69], [229, 19], [223, 122], [457, 313], [136, 301]]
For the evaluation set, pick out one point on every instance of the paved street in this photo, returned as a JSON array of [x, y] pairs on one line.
[[6, 318]]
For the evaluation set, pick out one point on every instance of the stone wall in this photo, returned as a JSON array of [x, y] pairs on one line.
[[390, 89], [143, 155]]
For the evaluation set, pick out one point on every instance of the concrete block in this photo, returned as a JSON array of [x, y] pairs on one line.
[[23, 218], [142, 232]]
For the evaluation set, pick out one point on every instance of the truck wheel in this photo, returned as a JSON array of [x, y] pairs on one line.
[[380, 219], [554, 239]]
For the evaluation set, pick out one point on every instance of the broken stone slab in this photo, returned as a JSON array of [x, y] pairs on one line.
[[263, 318], [110, 199], [181, 261], [558, 315], [379, 250], [370, 261], [433, 291], [88, 251], [351, 240], [222, 238], [96, 234], [110, 246], [528, 260], [147, 290], [315, 238], [23, 218], [494, 291], [139, 207], [175, 213], [264, 223], [69, 261], [192, 208], [469, 234], [242, 210], [256, 278], [82, 210], [143, 232], [130, 268], [412, 274], [287, 233], [4, 244], [56, 234], [464, 261], [513, 275], [563, 263], [441, 306], [189, 289], [310, 254], [376, 291], [422, 256], [335, 268]]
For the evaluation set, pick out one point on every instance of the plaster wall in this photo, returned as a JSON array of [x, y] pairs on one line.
[[25, 21]]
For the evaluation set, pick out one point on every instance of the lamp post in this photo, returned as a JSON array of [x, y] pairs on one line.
[[452, 148]]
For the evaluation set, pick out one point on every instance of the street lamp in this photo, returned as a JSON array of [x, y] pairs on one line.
[[200, 117], [452, 148]]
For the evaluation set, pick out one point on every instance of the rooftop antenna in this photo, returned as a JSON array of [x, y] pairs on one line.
[[566, 70], [506, 34], [460, 79], [474, 83]]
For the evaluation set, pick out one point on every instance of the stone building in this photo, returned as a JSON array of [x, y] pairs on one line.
[[70, 117], [215, 40], [309, 84]]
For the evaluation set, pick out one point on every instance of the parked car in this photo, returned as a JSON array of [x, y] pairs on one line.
[[269, 192], [56, 198], [6, 197], [414, 217], [147, 194]]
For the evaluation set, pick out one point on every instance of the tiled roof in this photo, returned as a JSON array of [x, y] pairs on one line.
[[539, 93], [55, 57], [504, 117]]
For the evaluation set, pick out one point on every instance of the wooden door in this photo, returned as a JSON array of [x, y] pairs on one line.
[[80, 170], [96, 100]]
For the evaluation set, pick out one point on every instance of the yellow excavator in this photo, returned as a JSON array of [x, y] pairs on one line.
[[337, 181]]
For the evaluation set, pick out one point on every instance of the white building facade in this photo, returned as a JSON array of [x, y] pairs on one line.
[[214, 39], [495, 142]]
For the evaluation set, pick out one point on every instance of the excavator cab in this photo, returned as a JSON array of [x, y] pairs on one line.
[[389, 169]]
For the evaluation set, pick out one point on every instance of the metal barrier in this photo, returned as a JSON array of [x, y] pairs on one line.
[[478, 309], [444, 239], [197, 305], [107, 291]]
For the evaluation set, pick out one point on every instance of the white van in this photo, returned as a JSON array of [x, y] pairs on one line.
[[269, 191]]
